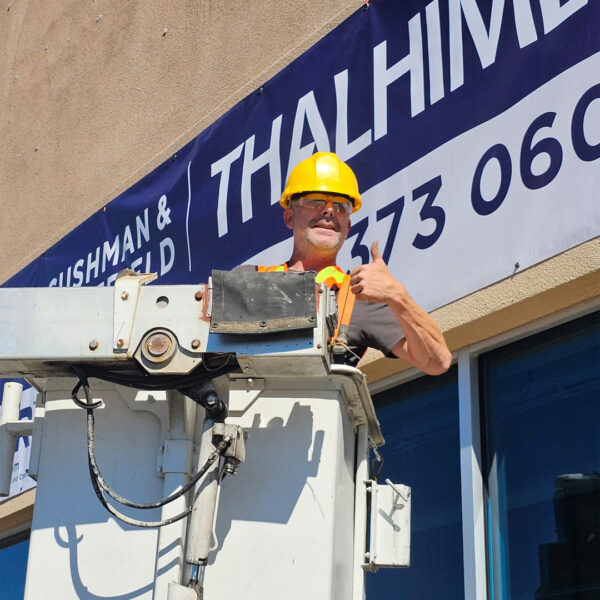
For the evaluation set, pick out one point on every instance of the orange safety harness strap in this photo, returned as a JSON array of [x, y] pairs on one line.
[[262, 269], [331, 276]]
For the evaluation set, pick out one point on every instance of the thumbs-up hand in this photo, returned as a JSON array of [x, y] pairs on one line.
[[374, 282]]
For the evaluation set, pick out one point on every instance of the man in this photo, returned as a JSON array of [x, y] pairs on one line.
[[320, 194]]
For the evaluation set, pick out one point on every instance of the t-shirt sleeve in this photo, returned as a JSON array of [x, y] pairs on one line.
[[245, 268], [374, 325]]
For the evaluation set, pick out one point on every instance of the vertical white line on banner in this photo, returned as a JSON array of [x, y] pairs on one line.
[[187, 217]]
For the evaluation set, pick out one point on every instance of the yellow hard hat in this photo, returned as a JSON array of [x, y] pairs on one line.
[[323, 172]]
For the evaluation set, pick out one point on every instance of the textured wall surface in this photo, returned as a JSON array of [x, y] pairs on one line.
[[94, 94]]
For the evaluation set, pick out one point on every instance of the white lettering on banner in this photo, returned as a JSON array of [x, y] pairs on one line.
[[223, 166], [554, 12], [142, 228], [344, 149], [307, 110], [524, 23], [163, 218], [78, 273], [167, 247], [270, 157], [434, 51], [485, 41], [123, 250], [92, 265], [110, 252], [127, 243], [525, 191], [411, 64], [135, 265]]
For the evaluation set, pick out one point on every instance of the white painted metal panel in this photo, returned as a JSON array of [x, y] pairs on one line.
[[77, 550], [285, 523]]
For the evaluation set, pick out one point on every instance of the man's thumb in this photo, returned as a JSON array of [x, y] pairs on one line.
[[375, 254]]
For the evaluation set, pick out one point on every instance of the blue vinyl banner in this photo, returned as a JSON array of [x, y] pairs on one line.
[[473, 128]]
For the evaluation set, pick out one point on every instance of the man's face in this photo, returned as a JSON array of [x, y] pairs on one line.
[[319, 227]]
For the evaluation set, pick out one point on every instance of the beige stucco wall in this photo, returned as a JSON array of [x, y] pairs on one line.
[[94, 94]]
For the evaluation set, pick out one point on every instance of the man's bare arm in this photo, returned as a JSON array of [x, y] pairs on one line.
[[423, 345]]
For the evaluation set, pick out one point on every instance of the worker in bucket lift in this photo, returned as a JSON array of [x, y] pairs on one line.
[[320, 195]]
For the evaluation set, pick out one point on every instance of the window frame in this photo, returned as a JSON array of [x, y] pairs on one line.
[[475, 553]]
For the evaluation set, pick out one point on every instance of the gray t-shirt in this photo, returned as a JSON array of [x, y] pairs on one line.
[[373, 325]]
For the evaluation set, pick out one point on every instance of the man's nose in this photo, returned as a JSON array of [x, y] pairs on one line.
[[328, 209]]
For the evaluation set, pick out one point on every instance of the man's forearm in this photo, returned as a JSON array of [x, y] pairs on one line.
[[423, 345]]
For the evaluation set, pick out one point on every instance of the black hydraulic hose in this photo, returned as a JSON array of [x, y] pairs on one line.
[[115, 513], [98, 481], [83, 382], [144, 381]]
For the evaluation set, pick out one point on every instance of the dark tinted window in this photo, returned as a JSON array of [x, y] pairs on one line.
[[420, 424], [541, 404], [13, 566]]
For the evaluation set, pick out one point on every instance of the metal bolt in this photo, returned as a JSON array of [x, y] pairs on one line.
[[98, 18], [165, 31], [318, 346], [46, 48], [198, 295], [124, 295], [195, 344], [93, 345], [517, 265], [263, 323], [312, 319], [215, 324], [211, 400], [158, 344], [231, 465], [120, 342]]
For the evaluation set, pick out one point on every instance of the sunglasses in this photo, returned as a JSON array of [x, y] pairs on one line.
[[339, 205]]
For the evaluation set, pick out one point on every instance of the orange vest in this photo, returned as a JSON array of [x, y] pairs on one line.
[[331, 276]]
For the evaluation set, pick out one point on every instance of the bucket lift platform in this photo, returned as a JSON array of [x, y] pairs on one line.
[[291, 523]]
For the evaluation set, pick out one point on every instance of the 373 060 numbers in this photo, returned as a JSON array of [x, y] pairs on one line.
[[429, 192]]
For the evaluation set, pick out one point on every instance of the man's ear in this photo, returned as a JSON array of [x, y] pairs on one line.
[[288, 218]]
